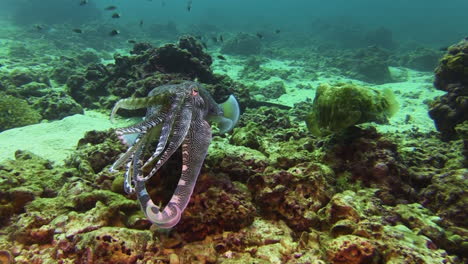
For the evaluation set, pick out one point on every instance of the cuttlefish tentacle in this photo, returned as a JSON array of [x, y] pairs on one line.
[[135, 159], [127, 155], [143, 126], [137, 103]]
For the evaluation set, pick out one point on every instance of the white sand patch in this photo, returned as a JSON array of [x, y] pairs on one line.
[[411, 95], [55, 140]]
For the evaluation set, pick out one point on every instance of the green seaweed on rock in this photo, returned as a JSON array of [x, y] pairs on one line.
[[343, 105], [15, 112]]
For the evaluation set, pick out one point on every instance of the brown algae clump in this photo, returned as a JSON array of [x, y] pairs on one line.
[[340, 106]]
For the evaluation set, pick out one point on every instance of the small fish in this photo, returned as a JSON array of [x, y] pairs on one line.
[[116, 15], [131, 41], [221, 57], [110, 8], [215, 39], [114, 32], [260, 36], [141, 23], [189, 5], [277, 31], [221, 39], [443, 48], [77, 30], [163, 3], [83, 2], [199, 37], [38, 27]]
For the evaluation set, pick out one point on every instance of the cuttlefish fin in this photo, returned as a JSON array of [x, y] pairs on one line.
[[230, 117]]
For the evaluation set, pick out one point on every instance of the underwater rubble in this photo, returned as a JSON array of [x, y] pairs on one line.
[[269, 192]]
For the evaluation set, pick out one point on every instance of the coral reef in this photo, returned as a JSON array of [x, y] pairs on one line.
[[462, 132], [64, 67], [15, 112], [203, 216], [24, 179], [267, 193], [245, 208], [95, 151], [350, 249], [452, 67], [451, 76], [340, 106], [374, 227], [367, 158], [56, 105], [136, 75], [17, 78], [294, 196]]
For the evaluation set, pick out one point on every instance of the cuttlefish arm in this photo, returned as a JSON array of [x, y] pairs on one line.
[[194, 149]]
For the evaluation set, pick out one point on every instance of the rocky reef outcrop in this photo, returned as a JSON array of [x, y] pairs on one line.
[[136, 75], [451, 76], [16, 112]]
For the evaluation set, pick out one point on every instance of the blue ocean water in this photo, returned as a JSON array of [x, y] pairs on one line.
[[432, 22]]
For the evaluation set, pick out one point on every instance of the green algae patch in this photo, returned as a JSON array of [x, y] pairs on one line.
[[15, 112], [88, 200], [343, 105]]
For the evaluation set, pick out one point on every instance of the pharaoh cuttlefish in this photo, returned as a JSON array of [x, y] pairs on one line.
[[177, 115]]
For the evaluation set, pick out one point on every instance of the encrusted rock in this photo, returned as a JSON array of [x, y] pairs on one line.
[[351, 249], [370, 159], [451, 76], [217, 205], [294, 195], [95, 151], [16, 112], [57, 105]]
